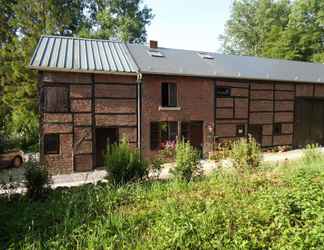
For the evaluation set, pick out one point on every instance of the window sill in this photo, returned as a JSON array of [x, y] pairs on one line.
[[169, 108]]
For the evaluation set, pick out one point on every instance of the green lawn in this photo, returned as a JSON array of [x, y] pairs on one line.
[[278, 208]]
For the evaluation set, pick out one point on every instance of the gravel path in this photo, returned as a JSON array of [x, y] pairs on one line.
[[77, 179]]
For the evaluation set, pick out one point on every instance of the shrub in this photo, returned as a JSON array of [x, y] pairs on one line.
[[312, 153], [37, 180], [187, 161], [246, 153], [168, 151], [124, 164], [221, 152], [157, 165]]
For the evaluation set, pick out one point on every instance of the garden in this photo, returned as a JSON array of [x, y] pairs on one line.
[[250, 205]]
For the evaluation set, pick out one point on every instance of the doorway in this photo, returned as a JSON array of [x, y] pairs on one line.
[[193, 132], [104, 138], [309, 122], [255, 130]]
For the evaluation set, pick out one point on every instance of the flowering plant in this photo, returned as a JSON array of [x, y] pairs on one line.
[[168, 149]]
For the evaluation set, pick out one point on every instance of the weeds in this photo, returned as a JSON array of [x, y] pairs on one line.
[[274, 208], [312, 153], [37, 180], [246, 154], [187, 161], [124, 164]]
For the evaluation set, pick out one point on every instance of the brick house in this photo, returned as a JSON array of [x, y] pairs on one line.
[[94, 92]]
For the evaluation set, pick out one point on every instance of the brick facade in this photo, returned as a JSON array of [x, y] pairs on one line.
[[94, 101], [100, 101]]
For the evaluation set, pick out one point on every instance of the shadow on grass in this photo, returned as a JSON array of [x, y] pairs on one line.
[[62, 212]]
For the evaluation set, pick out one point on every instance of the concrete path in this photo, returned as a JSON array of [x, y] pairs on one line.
[[15, 176]]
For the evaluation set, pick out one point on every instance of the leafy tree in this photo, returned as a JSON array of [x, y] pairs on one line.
[[253, 23], [22, 22], [124, 20], [277, 29]]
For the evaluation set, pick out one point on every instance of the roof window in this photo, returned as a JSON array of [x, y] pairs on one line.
[[205, 55], [155, 53]]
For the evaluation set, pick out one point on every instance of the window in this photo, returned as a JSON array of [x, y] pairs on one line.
[[169, 94], [155, 53], [223, 91], [277, 129], [55, 99], [240, 130], [206, 55], [52, 144], [161, 132]]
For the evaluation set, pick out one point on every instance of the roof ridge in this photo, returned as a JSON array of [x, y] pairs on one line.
[[82, 38]]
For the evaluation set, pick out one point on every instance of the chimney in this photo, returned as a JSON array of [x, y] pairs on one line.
[[153, 44]]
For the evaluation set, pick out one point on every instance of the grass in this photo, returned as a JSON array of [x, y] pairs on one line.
[[278, 207]]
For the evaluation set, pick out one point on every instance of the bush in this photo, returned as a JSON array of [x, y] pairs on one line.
[[157, 165], [312, 153], [187, 161], [37, 180], [246, 153], [221, 152], [124, 164]]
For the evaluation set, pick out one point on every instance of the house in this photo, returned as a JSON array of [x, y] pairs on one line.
[[94, 92]]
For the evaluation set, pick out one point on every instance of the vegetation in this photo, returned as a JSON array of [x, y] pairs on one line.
[[272, 208], [22, 22], [246, 154], [311, 153], [277, 29], [37, 180], [187, 161], [124, 164]]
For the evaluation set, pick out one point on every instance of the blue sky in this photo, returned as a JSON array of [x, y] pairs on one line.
[[188, 24]]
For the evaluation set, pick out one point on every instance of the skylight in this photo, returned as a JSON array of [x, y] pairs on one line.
[[155, 53], [206, 55]]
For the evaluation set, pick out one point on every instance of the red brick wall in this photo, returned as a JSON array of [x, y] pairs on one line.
[[113, 104], [265, 103], [195, 99], [87, 111]]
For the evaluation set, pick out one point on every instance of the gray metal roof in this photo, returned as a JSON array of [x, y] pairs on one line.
[[103, 56], [82, 55], [187, 62]]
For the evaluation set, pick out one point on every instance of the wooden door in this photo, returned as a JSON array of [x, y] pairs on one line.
[[255, 130], [309, 122], [104, 138], [196, 135]]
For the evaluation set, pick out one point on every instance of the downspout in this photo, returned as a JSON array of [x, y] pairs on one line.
[[139, 82]]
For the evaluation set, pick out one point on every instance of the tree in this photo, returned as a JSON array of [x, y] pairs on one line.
[[22, 22], [277, 29], [124, 20], [252, 23]]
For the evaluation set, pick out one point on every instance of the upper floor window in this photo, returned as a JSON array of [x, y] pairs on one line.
[[169, 94], [55, 99], [223, 91]]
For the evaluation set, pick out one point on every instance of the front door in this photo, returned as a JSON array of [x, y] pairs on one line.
[[193, 132], [309, 122], [196, 135], [255, 131], [104, 138]]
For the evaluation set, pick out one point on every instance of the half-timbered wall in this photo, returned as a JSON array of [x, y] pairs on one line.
[[95, 101]]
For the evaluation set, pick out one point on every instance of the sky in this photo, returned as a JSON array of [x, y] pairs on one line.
[[188, 24]]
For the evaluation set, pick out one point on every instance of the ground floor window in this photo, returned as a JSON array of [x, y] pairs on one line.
[[163, 132], [51, 144]]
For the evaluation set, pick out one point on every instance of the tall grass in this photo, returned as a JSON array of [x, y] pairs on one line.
[[277, 208]]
